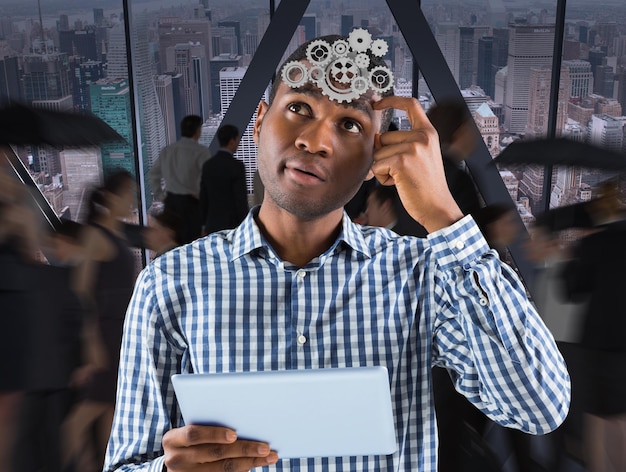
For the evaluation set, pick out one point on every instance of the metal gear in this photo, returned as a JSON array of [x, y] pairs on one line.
[[381, 79], [362, 60], [337, 94], [360, 40], [316, 74], [359, 85], [379, 47], [294, 74], [341, 47], [343, 70], [319, 52]]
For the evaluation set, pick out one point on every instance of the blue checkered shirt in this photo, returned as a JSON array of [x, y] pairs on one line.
[[228, 303]]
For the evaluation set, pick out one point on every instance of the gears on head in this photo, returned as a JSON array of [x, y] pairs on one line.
[[342, 70]]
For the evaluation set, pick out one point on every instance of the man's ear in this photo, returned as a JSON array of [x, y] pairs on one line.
[[260, 114]]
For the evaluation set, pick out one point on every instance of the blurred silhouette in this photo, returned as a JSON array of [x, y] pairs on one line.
[[561, 151], [459, 139], [54, 354], [458, 421], [163, 233], [499, 225], [596, 271], [104, 282], [179, 166], [18, 243], [223, 193], [24, 124], [384, 209]]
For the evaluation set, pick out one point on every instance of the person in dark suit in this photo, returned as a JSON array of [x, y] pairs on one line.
[[223, 194]]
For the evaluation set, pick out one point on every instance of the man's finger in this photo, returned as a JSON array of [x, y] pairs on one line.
[[192, 435], [412, 107]]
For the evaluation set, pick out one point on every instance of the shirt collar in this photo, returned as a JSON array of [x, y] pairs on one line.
[[247, 238]]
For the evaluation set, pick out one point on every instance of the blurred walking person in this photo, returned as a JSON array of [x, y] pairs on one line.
[[105, 281]]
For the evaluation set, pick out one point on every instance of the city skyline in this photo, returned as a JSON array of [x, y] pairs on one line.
[[492, 50]]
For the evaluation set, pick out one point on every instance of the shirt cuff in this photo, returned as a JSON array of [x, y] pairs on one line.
[[461, 243]]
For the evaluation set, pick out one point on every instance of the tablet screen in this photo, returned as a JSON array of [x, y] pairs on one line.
[[300, 413]]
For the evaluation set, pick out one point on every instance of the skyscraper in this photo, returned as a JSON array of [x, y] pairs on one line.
[[540, 81], [448, 37], [485, 78], [468, 53], [165, 94], [47, 85], [85, 74], [581, 78], [110, 101], [230, 78], [10, 90], [529, 46], [150, 120], [218, 63]]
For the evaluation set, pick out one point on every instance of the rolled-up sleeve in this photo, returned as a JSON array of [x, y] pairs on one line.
[[489, 336]]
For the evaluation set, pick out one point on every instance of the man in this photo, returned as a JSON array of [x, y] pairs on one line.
[[298, 285], [180, 166], [223, 194]]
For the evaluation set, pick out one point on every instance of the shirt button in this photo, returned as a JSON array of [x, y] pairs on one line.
[[460, 245], [483, 301], [301, 274], [302, 339]]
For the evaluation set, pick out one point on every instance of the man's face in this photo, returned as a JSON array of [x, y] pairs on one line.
[[313, 152]]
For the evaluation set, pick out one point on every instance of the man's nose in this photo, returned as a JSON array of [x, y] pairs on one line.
[[316, 138]]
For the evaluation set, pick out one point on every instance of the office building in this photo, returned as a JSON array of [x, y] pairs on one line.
[[607, 132], [174, 30], [236, 47], [79, 43], [448, 38], [485, 78], [489, 128], [469, 37], [165, 95], [10, 90], [529, 46], [81, 169], [581, 78], [85, 74], [540, 81], [230, 78], [110, 101], [216, 64]]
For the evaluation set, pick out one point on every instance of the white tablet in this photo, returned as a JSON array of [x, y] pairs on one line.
[[300, 413]]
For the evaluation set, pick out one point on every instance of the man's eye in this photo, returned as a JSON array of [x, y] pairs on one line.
[[298, 108], [352, 126]]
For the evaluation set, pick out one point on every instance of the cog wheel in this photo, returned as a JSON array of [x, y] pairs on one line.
[[316, 74], [360, 40], [359, 85], [379, 47], [341, 47], [343, 70], [381, 79], [319, 52], [362, 60], [294, 74], [340, 95]]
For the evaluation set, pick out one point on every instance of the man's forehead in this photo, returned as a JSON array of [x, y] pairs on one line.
[[362, 103]]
